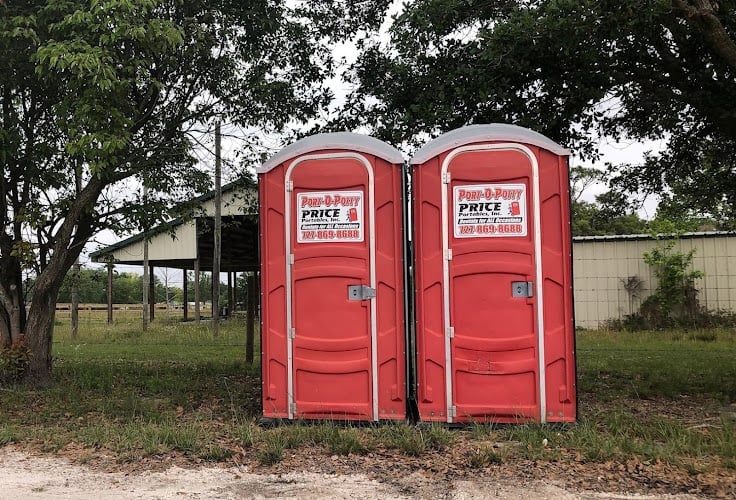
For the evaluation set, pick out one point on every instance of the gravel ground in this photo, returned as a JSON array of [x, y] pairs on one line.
[[25, 476]]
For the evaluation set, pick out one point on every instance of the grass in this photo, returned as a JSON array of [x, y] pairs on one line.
[[409, 440], [175, 389], [169, 389], [666, 364], [484, 456]]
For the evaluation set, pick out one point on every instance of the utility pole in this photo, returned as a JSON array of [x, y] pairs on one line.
[[146, 275], [110, 267], [185, 297], [218, 235], [166, 288], [250, 317], [75, 267], [75, 299], [197, 297]]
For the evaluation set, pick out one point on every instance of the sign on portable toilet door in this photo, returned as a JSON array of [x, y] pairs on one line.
[[330, 217], [486, 210]]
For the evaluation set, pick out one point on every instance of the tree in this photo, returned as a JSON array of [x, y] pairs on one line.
[[165, 292], [611, 213], [205, 287], [92, 285], [572, 70], [614, 212], [127, 288], [582, 178], [605, 216], [116, 94]]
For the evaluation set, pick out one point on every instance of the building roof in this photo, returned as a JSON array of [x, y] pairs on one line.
[[177, 242], [629, 237]]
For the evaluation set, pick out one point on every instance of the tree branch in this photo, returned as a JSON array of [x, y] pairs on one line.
[[702, 14]]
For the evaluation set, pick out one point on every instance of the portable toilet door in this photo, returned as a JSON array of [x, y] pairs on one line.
[[494, 310], [332, 322]]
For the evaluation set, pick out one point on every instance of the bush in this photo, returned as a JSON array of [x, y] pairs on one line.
[[650, 317], [14, 362], [675, 301]]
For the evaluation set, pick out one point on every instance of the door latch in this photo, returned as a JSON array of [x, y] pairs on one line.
[[361, 292], [522, 289]]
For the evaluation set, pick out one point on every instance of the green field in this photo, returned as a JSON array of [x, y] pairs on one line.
[[663, 364], [659, 396]]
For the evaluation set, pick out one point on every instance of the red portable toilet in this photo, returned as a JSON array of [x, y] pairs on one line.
[[494, 309], [332, 284]]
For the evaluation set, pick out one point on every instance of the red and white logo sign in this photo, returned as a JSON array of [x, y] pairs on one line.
[[335, 216], [489, 210]]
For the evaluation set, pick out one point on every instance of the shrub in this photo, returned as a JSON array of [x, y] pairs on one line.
[[14, 362], [484, 457], [676, 298], [675, 302], [650, 317]]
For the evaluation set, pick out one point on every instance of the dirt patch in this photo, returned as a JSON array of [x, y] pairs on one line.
[[37, 477]]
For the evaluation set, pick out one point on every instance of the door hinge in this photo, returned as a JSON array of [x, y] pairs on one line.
[[289, 186], [452, 412], [292, 333], [445, 177], [291, 259], [450, 332], [292, 408], [448, 254]]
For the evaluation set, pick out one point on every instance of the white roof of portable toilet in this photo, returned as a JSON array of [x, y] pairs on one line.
[[334, 140], [485, 133]]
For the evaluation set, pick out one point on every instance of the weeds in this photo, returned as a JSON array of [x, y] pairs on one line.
[[536, 441], [438, 437], [247, 434], [8, 435], [272, 450], [483, 457], [344, 441], [618, 435], [215, 453], [480, 431], [296, 436], [407, 439]]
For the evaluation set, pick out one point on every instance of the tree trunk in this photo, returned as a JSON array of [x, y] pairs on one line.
[[5, 338], [12, 303], [41, 324], [17, 314], [703, 15]]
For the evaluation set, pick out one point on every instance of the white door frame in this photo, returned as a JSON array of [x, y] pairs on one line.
[[538, 281], [290, 262]]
